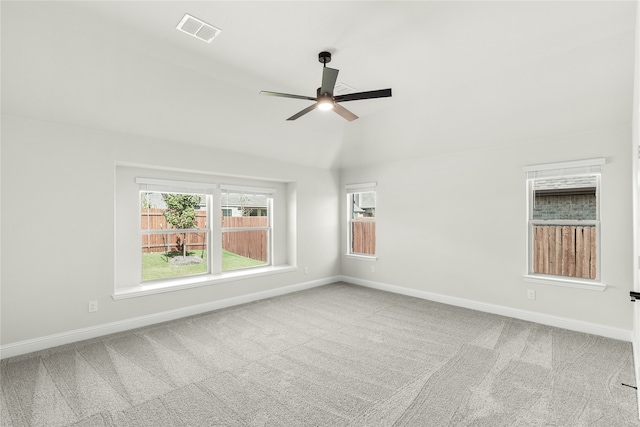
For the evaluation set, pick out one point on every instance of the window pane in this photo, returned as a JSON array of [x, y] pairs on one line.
[[168, 254], [243, 249], [570, 198], [163, 211], [362, 223], [364, 205], [363, 236], [565, 250], [163, 255]]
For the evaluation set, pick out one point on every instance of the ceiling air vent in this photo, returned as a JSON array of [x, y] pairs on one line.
[[198, 29], [342, 89]]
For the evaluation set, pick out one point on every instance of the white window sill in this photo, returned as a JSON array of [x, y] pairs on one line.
[[362, 257], [198, 281], [566, 282]]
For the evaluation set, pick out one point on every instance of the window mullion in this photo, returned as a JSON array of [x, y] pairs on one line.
[[563, 222], [270, 231], [215, 223]]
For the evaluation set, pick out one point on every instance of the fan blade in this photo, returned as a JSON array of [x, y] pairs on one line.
[[382, 93], [303, 112], [329, 77], [344, 112], [286, 95]]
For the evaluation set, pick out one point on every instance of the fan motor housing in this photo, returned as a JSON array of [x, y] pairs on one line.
[[324, 57]]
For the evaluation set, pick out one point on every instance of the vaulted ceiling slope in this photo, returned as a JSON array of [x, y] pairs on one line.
[[465, 75]]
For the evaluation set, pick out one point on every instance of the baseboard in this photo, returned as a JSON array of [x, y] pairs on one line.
[[50, 341], [531, 316]]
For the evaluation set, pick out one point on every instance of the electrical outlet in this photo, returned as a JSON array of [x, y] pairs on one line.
[[93, 306], [373, 268], [306, 270], [531, 294]]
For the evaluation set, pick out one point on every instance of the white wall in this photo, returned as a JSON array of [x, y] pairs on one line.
[[58, 225], [465, 235]]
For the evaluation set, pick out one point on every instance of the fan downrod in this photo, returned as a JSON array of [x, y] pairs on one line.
[[324, 57]]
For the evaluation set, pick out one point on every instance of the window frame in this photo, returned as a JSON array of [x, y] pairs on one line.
[[352, 189], [590, 167], [268, 228], [128, 242]]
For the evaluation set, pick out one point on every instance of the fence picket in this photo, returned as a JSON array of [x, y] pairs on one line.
[[586, 262], [592, 263], [558, 250], [552, 250], [572, 251], [537, 248], [579, 250], [545, 252]]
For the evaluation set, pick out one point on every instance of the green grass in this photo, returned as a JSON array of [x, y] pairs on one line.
[[232, 261], [155, 265]]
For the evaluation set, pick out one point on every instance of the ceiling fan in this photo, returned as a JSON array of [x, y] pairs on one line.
[[325, 100]]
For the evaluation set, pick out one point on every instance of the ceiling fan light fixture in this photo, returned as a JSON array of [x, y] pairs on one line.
[[325, 103]]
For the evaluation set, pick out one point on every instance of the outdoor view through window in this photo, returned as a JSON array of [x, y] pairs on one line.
[[564, 226], [177, 234], [245, 230], [362, 223]]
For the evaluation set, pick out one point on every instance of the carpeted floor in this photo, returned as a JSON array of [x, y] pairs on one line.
[[337, 355]]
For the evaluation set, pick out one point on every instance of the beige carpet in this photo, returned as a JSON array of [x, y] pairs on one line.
[[338, 355]]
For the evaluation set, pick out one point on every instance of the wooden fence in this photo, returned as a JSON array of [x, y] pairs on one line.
[[565, 250], [363, 235], [251, 244]]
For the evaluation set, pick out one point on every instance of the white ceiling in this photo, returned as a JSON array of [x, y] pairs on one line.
[[465, 75]]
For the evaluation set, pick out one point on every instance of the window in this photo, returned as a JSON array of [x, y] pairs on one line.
[[177, 229], [361, 219], [564, 221]]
